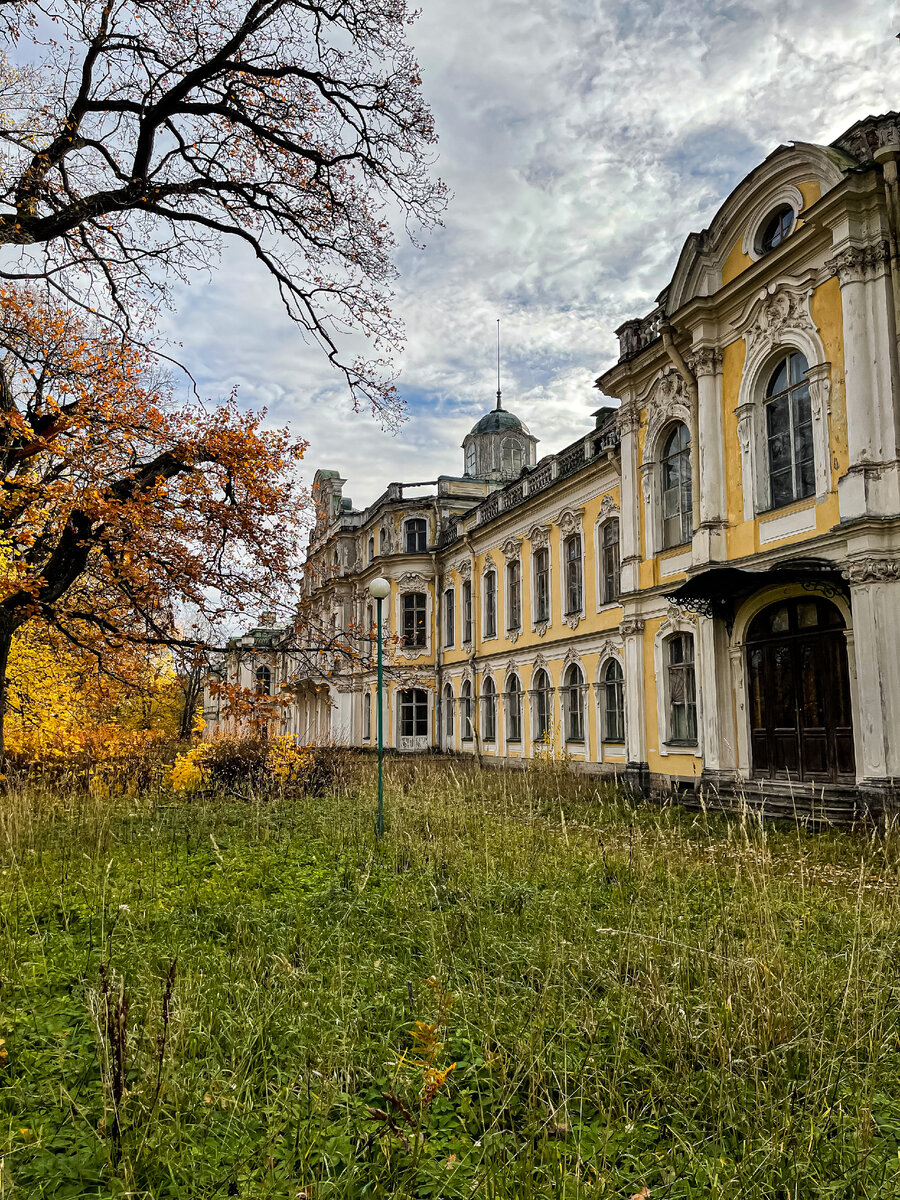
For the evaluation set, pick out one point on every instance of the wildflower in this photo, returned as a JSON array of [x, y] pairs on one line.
[[434, 1080]]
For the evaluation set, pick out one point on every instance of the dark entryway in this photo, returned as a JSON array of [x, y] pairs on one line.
[[799, 690]]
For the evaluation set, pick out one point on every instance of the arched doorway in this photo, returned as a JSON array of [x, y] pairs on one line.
[[801, 726]]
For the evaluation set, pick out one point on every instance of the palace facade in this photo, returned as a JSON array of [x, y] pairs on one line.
[[705, 587]]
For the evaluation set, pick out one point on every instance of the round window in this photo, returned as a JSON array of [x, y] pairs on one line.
[[775, 229]]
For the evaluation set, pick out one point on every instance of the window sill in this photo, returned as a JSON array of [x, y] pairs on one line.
[[617, 742], [682, 743], [574, 741], [514, 741], [789, 506], [668, 551], [467, 739]]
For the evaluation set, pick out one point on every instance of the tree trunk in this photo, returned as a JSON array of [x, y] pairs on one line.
[[192, 687], [6, 637]]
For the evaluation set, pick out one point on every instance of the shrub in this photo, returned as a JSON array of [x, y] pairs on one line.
[[228, 761]]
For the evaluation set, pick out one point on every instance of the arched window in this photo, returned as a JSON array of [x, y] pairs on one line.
[[466, 714], [513, 709], [416, 535], [448, 711], [371, 549], [414, 612], [413, 712], [512, 458], [540, 565], [682, 689], [514, 595], [574, 574], [543, 702], [789, 432], [609, 561], [574, 703], [489, 705], [367, 717], [613, 702], [676, 487], [263, 681], [490, 604]]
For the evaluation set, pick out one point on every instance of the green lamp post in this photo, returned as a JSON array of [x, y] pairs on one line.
[[380, 589]]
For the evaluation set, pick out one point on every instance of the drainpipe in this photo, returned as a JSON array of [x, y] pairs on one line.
[[690, 382]]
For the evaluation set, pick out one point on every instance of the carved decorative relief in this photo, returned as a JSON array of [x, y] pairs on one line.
[[646, 480], [412, 581], [539, 664], [608, 507], [488, 564], [510, 549], [856, 263], [705, 360], [628, 419], [872, 570], [541, 627], [572, 620], [539, 536], [631, 626], [512, 635], [779, 312], [464, 568], [569, 520]]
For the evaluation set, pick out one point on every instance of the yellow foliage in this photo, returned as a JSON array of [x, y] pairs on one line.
[[288, 762], [189, 771]]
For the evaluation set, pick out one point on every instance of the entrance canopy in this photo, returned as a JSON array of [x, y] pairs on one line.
[[717, 591]]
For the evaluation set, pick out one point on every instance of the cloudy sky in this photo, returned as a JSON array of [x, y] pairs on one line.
[[582, 140]]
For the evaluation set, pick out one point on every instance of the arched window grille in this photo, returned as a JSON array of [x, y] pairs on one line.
[[448, 710], [613, 702], [574, 703], [543, 705], [466, 710], [513, 709], [489, 709]]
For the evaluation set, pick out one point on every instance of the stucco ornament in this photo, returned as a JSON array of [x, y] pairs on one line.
[[412, 581], [872, 570], [488, 565], [510, 549], [628, 419], [630, 626], [779, 312], [608, 508], [464, 568], [539, 536], [569, 520], [853, 264]]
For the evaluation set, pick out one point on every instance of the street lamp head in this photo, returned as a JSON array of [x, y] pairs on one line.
[[379, 588]]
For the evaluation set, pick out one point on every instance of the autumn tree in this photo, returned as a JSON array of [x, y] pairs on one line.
[[120, 507], [141, 136]]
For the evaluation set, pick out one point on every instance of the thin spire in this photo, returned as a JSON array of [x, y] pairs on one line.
[[499, 405]]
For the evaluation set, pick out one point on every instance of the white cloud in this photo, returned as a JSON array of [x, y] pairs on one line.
[[583, 142]]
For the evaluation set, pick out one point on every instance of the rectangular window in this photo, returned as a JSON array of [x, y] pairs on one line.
[[449, 617], [609, 562], [514, 595], [573, 573], [414, 609], [416, 535], [367, 717], [467, 610], [490, 604], [413, 713], [541, 566], [682, 689]]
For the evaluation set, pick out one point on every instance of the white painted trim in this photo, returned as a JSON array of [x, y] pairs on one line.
[[798, 520], [675, 564]]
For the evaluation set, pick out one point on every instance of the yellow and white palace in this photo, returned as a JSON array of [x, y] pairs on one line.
[[705, 587]]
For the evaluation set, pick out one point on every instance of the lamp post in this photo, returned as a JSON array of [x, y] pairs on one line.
[[379, 589]]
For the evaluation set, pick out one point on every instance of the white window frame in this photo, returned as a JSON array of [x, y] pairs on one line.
[[570, 618], [512, 627], [602, 522], [508, 709], [485, 575], [658, 430], [672, 625], [538, 622], [601, 705], [407, 521], [568, 708], [449, 630]]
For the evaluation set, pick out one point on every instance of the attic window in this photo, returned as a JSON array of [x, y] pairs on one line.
[[775, 228]]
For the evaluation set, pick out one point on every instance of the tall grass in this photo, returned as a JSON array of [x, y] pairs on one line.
[[692, 1004]]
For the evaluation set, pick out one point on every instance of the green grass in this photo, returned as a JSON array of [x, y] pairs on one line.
[[641, 997]]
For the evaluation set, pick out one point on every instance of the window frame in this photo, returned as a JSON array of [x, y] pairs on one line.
[[514, 595], [683, 488], [416, 636], [489, 587], [541, 615], [573, 697], [449, 616], [616, 687], [489, 710], [262, 674], [468, 614], [543, 698], [512, 703], [573, 577], [449, 721], [609, 561], [789, 398], [410, 706], [367, 716], [419, 533], [465, 702], [686, 668]]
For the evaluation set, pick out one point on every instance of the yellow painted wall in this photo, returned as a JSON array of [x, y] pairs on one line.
[[736, 261]]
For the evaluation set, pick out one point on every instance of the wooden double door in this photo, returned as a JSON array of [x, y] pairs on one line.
[[801, 726]]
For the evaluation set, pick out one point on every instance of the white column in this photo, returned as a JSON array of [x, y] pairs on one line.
[[632, 630], [717, 723], [871, 486], [875, 603], [628, 422], [709, 540]]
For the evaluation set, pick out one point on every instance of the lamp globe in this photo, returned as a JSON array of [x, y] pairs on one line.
[[379, 588]]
